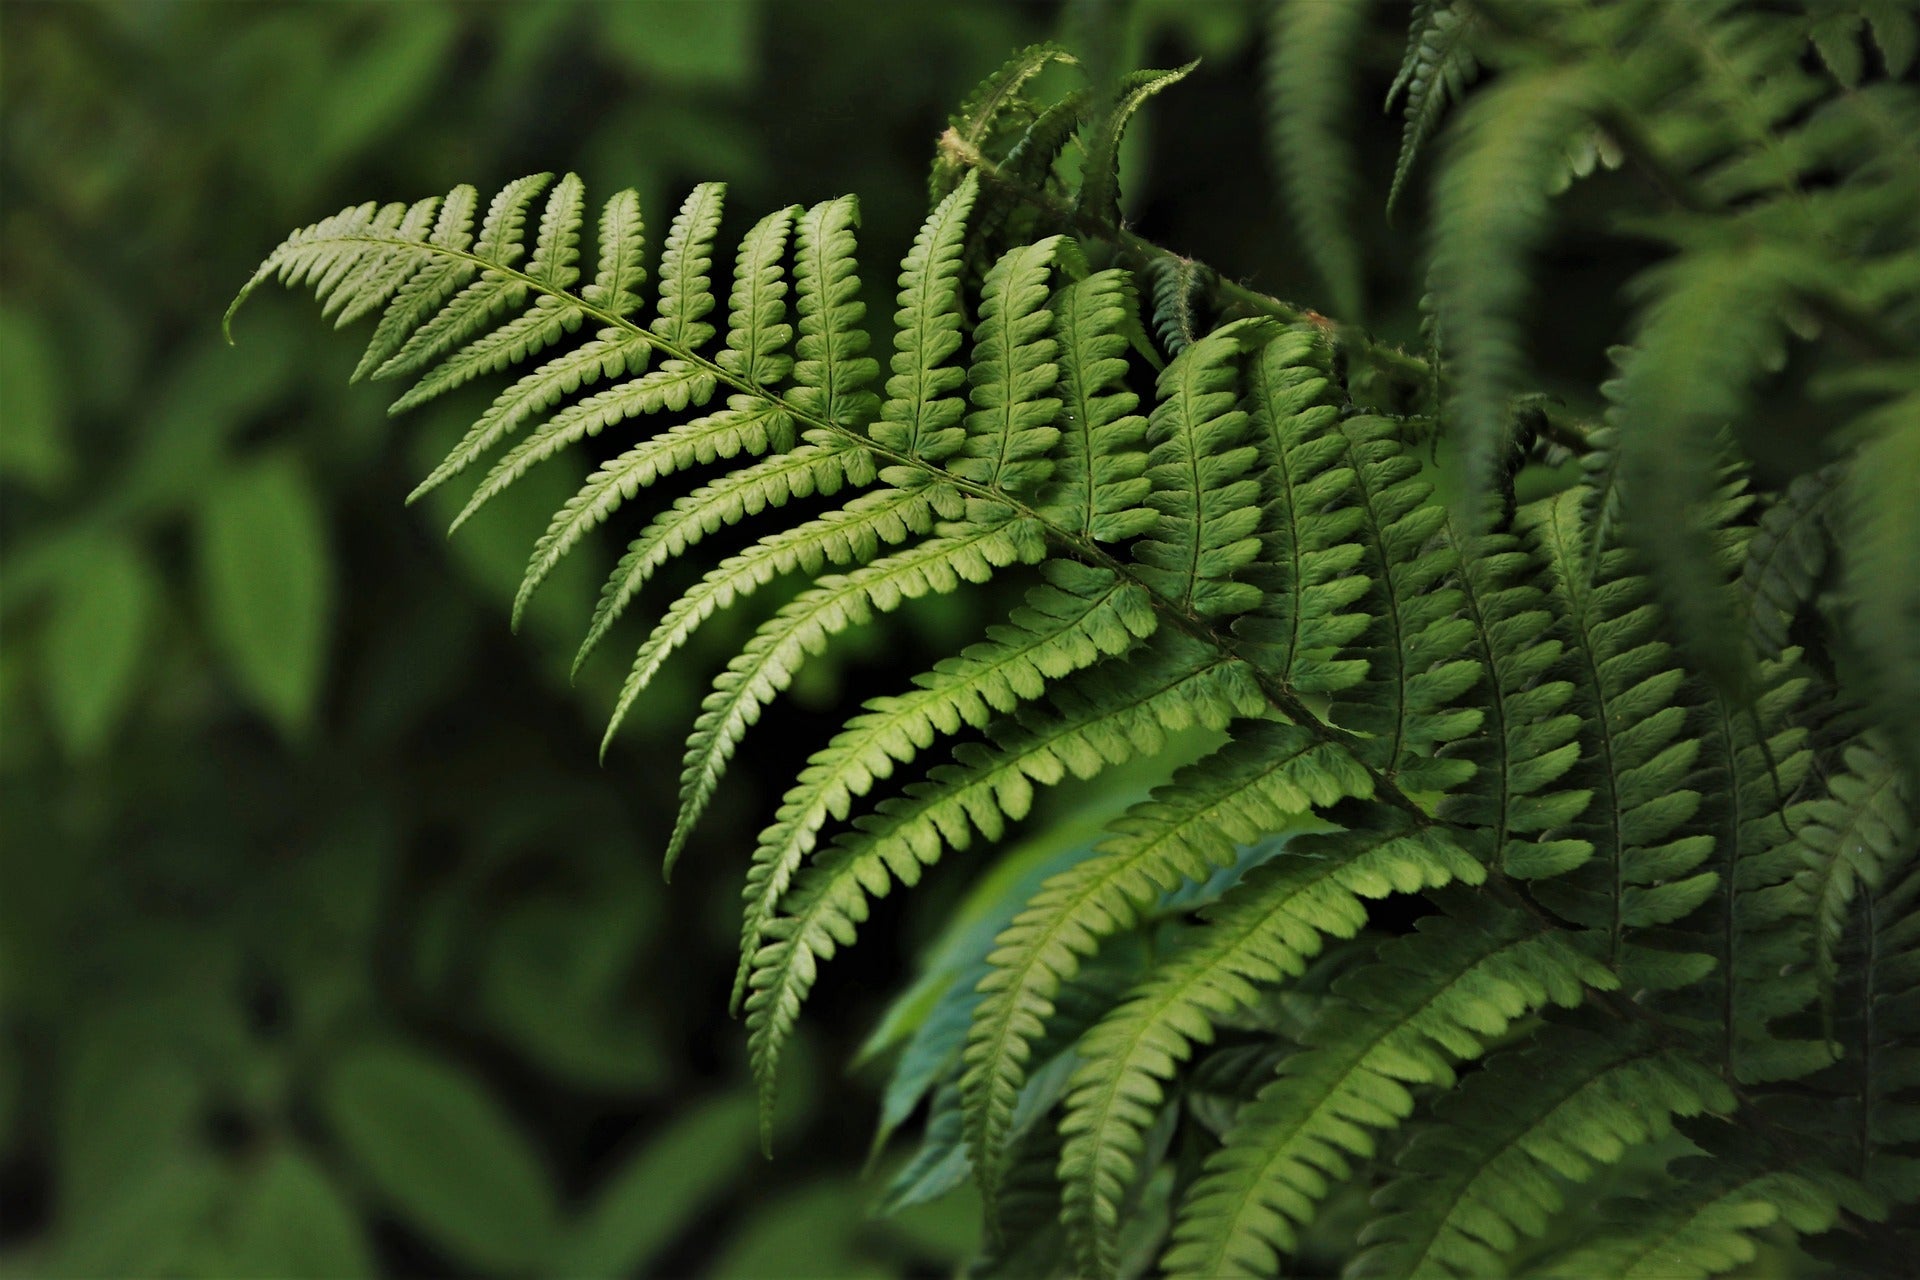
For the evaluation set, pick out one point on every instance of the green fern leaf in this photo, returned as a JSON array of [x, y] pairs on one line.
[[768, 663], [1438, 64], [609, 355], [1404, 705], [1099, 200], [832, 374], [1471, 1188], [921, 416], [1441, 994], [985, 113], [1531, 738], [1489, 207], [623, 243], [1099, 483], [1305, 570], [675, 385], [1101, 718], [746, 426], [1265, 778], [852, 534], [496, 290], [1710, 1221], [818, 465], [1644, 871], [431, 286], [1078, 616], [1785, 558], [1201, 481], [1012, 374], [1881, 582], [1847, 842], [686, 288], [1263, 931], [1311, 47]]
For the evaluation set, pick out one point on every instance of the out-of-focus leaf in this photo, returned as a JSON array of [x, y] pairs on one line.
[[122, 1115], [95, 635], [437, 1147], [391, 74], [549, 984], [677, 44], [160, 1224], [291, 1221], [207, 397], [33, 445], [268, 586], [664, 1185], [806, 1233]]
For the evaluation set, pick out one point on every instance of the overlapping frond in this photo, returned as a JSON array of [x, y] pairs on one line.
[[1405, 706], [1649, 752], [1472, 1187], [1437, 996], [1306, 569], [1079, 616], [1438, 64], [1263, 931], [1632, 862], [1100, 719], [1311, 96]]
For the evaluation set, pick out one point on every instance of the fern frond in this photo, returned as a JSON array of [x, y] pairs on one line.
[[1530, 741], [1078, 616], [820, 464], [1012, 373], [612, 353], [1264, 930], [768, 663], [1846, 842], [1644, 868], [848, 535], [363, 287], [1707, 1222], [1404, 704], [1711, 330], [1098, 482], [1099, 199], [1200, 479], [987, 111], [1489, 208], [1268, 776], [475, 306], [921, 417], [1441, 994], [1438, 64], [686, 287], [1758, 759], [1310, 50], [746, 426], [832, 374], [1785, 558], [429, 284], [1881, 582], [1306, 569], [1472, 1187], [675, 385], [1102, 718]]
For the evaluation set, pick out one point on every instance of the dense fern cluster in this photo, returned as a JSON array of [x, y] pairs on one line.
[[1667, 876]]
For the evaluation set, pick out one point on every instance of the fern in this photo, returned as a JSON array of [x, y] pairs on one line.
[[1636, 757]]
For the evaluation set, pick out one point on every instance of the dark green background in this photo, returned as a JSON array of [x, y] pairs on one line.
[[325, 948]]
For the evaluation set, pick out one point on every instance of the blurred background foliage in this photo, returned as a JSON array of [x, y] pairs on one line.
[[325, 949]]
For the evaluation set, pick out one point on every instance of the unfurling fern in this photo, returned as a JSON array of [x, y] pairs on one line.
[[1654, 892]]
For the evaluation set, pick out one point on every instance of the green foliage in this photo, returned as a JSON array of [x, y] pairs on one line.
[[1553, 781]]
